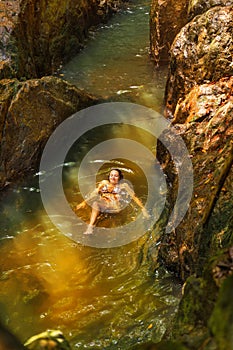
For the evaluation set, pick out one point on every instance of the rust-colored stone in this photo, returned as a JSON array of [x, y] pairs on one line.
[[200, 54], [207, 113], [198, 7]]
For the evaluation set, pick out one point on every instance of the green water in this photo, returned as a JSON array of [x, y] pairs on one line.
[[116, 62], [100, 298]]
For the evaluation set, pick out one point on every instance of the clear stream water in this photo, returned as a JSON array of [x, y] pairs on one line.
[[100, 298], [116, 61]]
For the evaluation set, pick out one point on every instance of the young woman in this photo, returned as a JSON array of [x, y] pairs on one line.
[[110, 198]]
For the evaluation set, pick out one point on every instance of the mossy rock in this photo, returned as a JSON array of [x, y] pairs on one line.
[[221, 320]]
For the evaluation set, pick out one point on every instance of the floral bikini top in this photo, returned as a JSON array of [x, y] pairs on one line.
[[118, 194], [110, 189]]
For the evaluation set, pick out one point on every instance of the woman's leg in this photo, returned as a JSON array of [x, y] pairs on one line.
[[94, 214]]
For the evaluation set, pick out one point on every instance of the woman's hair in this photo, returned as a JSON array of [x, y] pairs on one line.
[[119, 172]]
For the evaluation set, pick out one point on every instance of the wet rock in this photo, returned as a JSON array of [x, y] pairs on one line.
[[31, 111], [166, 20], [29, 29], [198, 7], [195, 309], [220, 323], [220, 225], [8, 89], [200, 53], [223, 266], [208, 115], [48, 340]]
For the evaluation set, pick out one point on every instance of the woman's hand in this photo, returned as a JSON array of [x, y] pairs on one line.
[[80, 205]]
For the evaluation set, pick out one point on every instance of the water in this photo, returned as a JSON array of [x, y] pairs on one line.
[[100, 298], [116, 62]]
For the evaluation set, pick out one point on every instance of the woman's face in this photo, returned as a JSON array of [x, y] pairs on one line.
[[114, 177]]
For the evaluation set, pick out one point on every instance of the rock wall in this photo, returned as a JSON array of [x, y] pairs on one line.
[[204, 119], [200, 53], [38, 35], [30, 112], [198, 7], [199, 103]]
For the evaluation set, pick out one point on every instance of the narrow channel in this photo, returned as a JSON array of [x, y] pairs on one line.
[[116, 60], [99, 298]]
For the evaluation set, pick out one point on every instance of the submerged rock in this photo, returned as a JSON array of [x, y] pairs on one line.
[[163, 345], [30, 113]]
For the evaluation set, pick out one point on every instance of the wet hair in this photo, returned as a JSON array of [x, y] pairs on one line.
[[119, 172]]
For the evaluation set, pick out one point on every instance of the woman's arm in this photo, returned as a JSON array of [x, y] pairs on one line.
[[81, 205], [139, 203], [137, 200]]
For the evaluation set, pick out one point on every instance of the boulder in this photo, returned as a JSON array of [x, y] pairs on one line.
[[198, 7], [200, 53], [31, 111]]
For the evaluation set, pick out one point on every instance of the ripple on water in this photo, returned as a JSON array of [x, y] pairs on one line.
[[116, 61], [105, 295]]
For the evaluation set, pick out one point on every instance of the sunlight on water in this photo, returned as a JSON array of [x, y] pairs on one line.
[[98, 297], [93, 295]]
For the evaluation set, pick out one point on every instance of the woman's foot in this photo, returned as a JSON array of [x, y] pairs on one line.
[[89, 230]]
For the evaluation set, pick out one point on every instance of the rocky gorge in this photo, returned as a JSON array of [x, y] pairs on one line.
[[195, 39], [36, 38], [198, 102]]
